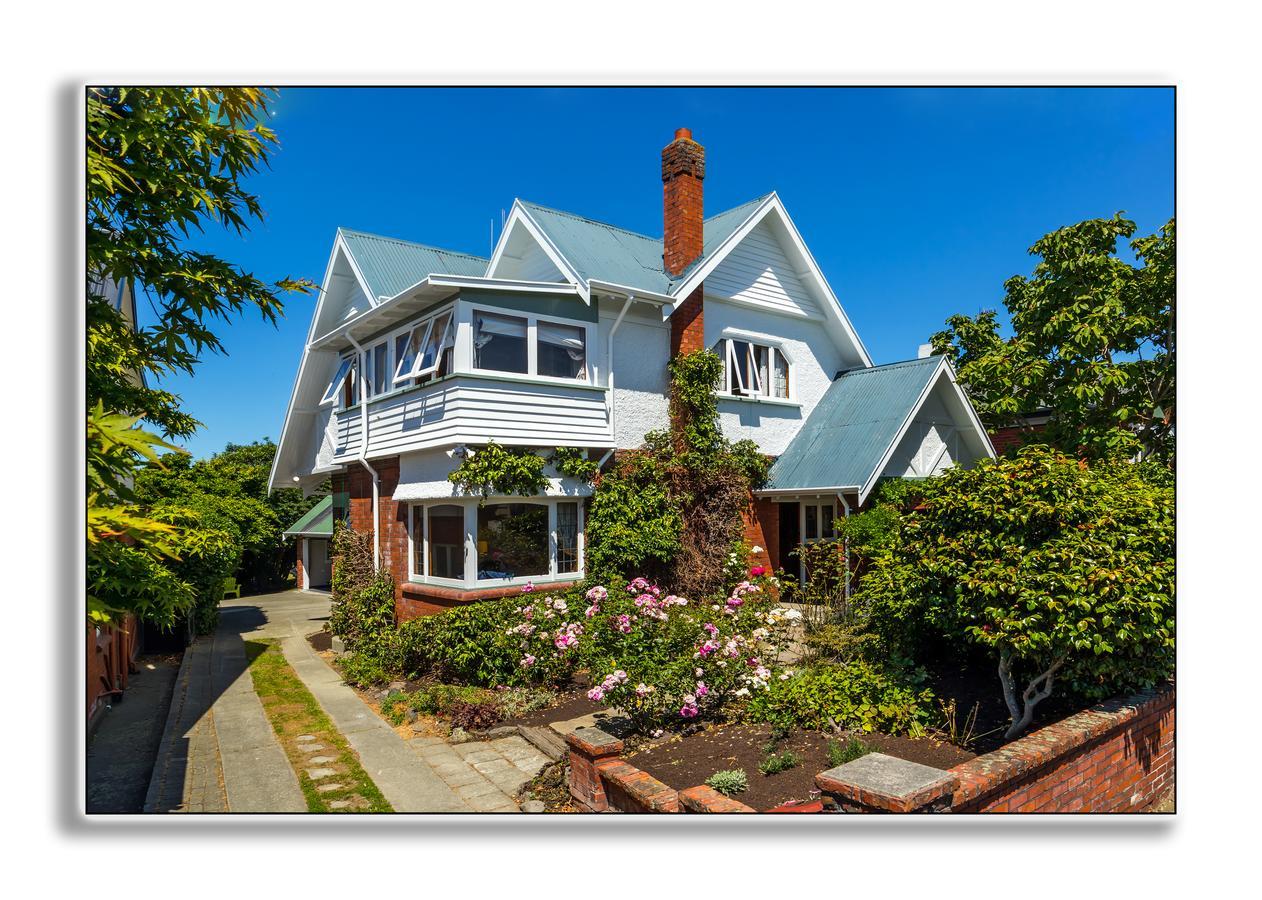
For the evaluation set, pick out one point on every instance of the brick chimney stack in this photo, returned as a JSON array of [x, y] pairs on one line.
[[683, 233]]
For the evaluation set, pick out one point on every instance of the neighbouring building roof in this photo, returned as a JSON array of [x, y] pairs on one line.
[[315, 522], [609, 253], [390, 266], [849, 432]]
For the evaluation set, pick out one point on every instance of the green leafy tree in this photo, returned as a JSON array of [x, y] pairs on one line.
[[162, 164], [1060, 570], [230, 490], [1093, 341]]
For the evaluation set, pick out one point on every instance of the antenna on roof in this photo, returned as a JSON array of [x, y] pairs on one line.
[[492, 234]]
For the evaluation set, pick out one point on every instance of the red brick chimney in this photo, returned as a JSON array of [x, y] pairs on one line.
[[683, 233]]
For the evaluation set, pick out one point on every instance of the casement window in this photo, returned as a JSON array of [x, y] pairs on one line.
[[567, 537], [752, 370], [529, 345], [438, 541], [344, 388], [424, 351], [379, 368]]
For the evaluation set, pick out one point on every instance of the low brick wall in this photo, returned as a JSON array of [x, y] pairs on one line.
[[602, 781], [1117, 756]]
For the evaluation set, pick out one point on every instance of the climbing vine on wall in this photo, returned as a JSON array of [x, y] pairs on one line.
[[500, 470]]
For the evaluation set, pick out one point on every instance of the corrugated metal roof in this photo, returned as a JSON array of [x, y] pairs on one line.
[[315, 522], [390, 265], [609, 253], [854, 423]]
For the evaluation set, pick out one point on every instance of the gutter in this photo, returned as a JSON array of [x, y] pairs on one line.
[[363, 452]]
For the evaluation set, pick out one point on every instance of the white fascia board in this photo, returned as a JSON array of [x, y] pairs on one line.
[[339, 246], [610, 287], [832, 307], [359, 276], [805, 492], [520, 217]]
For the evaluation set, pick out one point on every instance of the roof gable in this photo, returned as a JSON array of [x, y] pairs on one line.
[[855, 425]]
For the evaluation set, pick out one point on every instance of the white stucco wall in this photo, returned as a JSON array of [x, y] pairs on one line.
[[641, 351], [808, 347]]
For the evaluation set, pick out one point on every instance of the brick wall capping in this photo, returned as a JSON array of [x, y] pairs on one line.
[[640, 791], [985, 773], [705, 799], [887, 783], [593, 742], [460, 595]]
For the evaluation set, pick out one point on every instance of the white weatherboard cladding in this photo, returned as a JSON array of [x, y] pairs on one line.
[[524, 259], [423, 476], [811, 351], [932, 442], [471, 409], [344, 297], [641, 352], [758, 271]]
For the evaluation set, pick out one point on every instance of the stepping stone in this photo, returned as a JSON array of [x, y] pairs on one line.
[[339, 804], [305, 737], [322, 760], [318, 774], [311, 748], [329, 788], [533, 806]]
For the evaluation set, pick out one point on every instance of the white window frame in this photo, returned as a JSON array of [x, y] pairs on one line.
[[447, 340], [532, 344], [727, 351], [470, 580], [345, 367]]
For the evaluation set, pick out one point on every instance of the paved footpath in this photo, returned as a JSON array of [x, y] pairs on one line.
[[219, 753]]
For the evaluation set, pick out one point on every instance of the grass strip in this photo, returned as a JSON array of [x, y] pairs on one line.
[[293, 712]]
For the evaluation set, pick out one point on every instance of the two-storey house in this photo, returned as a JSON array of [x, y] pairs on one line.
[[416, 356]]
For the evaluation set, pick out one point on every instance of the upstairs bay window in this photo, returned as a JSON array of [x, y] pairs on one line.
[[344, 388], [528, 345], [424, 351], [753, 370]]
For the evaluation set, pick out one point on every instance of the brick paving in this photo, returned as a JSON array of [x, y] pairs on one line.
[[486, 775]]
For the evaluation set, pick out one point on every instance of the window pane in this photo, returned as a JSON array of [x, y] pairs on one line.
[[418, 540], [562, 350], [759, 360], [826, 521], [567, 537], [350, 385], [380, 368], [740, 367], [429, 355], [512, 540], [499, 343], [446, 541], [343, 369], [780, 379], [406, 347], [720, 350], [812, 525]]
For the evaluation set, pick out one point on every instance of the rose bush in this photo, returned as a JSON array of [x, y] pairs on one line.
[[653, 654]]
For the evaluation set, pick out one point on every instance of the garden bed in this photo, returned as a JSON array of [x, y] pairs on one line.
[[685, 762]]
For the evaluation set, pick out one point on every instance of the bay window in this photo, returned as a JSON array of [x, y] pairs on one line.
[[499, 343], [561, 350], [512, 541], [529, 345]]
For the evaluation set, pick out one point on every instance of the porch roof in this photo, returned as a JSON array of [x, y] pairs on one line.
[[315, 522]]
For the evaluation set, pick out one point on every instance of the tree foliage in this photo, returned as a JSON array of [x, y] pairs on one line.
[[229, 490], [1061, 571], [162, 164], [1093, 341]]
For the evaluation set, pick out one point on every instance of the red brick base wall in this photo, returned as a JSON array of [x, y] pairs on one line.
[[1117, 756], [762, 529]]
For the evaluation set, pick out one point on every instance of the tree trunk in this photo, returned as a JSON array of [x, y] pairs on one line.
[[1039, 689]]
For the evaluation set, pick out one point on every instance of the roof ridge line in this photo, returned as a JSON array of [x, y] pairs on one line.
[[407, 243], [581, 218]]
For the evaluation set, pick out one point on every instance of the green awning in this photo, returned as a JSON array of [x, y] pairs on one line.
[[315, 522]]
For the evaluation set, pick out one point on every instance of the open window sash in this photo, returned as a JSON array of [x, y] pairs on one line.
[[744, 364], [425, 348], [343, 370]]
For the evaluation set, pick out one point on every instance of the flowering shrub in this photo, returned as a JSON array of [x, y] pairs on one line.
[[856, 695], [653, 654]]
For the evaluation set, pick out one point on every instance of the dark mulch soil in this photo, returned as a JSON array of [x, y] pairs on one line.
[[685, 762], [321, 641], [971, 686]]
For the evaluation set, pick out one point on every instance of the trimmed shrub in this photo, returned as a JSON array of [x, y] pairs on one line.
[[855, 695]]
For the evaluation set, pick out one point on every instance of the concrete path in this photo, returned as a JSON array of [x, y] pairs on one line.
[[219, 753]]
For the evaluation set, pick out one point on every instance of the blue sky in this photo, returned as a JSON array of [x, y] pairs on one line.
[[917, 203]]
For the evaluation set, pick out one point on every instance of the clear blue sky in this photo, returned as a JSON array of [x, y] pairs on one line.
[[917, 204]]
